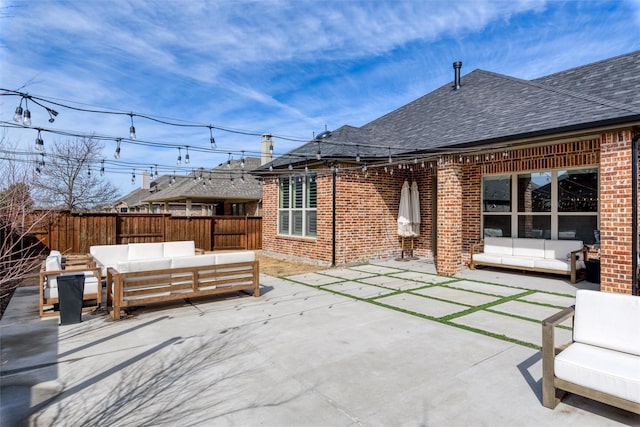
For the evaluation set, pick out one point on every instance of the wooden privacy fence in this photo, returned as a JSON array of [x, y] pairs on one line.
[[75, 233]]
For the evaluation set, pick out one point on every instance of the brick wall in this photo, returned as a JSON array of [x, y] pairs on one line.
[[367, 208], [615, 212]]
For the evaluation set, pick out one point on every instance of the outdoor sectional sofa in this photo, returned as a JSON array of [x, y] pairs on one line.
[[54, 267], [603, 360], [542, 255], [144, 273]]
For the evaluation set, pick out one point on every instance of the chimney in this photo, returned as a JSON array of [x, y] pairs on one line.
[[266, 149], [456, 81], [146, 181]]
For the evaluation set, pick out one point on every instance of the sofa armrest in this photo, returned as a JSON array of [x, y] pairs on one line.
[[549, 351], [574, 260]]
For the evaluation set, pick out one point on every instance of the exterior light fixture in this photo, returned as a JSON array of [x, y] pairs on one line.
[[17, 117], [39, 142], [211, 139], [117, 152], [26, 119], [132, 129], [186, 157], [179, 161]]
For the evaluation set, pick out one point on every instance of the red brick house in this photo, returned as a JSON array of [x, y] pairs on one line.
[[550, 157]]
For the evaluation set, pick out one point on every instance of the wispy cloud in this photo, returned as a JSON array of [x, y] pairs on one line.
[[286, 67]]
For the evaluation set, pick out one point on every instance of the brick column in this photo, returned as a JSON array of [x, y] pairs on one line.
[[615, 212], [449, 258]]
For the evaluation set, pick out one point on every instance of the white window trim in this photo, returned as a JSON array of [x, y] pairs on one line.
[[305, 211]]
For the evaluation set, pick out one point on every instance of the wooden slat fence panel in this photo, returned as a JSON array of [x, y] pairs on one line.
[[76, 233]]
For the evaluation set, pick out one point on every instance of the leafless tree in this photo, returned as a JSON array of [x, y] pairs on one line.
[[19, 251], [71, 180]]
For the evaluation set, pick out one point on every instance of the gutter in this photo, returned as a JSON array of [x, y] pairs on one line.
[[634, 214], [333, 221]]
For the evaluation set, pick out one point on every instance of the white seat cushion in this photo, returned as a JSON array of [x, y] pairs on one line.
[[555, 265], [493, 259], [193, 261], [519, 261], [181, 249], [231, 257], [608, 371], [608, 320], [528, 248], [143, 265], [90, 287], [145, 250], [498, 245]]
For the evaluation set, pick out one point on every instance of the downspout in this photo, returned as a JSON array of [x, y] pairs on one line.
[[634, 214], [333, 221]]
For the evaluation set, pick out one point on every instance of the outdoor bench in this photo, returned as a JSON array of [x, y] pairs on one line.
[[55, 266], [157, 272], [603, 360], [565, 257]]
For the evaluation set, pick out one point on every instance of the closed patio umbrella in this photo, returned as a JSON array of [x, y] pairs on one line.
[[415, 215], [404, 214]]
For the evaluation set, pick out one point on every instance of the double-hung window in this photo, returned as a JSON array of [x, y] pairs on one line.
[[297, 200]]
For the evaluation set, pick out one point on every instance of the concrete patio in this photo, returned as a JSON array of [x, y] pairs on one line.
[[389, 343]]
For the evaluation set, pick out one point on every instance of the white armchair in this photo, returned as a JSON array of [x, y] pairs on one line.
[[53, 267]]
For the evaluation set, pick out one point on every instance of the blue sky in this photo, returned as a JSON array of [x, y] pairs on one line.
[[289, 68]]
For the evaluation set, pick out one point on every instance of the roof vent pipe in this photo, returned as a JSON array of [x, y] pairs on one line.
[[456, 82]]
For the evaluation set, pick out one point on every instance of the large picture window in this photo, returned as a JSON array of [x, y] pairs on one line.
[[297, 205], [558, 204]]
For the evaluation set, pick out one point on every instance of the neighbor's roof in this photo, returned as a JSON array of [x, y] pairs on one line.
[[136, 197], [219, 183], [490, 108]]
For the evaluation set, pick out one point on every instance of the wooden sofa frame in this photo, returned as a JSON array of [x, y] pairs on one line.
[[553, 388], [187, 282], [475, 248], [73, 263]]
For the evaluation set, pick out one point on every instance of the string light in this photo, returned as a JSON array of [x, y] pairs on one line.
[[132, 129], [390, 159], [88, 171], [179, 161], [186, 157], [117, 152], [39, 142], [133, 177], [211, 139], [357, 153], [102, 168], [318, 154], [229, 163], [242, 160]]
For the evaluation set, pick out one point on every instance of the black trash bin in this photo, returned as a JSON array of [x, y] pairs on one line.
[[70, 292], [593, 270]]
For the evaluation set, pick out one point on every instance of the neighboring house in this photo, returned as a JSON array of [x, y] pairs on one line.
[[491, 154], [225, 190]]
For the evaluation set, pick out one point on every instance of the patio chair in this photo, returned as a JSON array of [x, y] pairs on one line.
[[55, 266]]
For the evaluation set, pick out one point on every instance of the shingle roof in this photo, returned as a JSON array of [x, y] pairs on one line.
[[233, 183], [491, 107], [136, 197]]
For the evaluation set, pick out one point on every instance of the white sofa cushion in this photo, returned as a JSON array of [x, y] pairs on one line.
[[609, 371], [90, 287], [528, 248], [553, 264], [145, 251], [181, 249], [193, 261], [560, 249], [518, 261], [493, 259], [608, 320], [143, 265], [498, 245], [107, 256], [231, 257]]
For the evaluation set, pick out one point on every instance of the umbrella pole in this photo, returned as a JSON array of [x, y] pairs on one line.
[[402, 258], [411, 256]]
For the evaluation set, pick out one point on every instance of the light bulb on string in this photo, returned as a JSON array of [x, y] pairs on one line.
[[318, 154], [186, 157], [133, 177], [211, 139], [89, 171], [102, 168], [358, 153], [229, 162], [17, 117], [132, 129], [179, 161], [390, 159], [116, 154], [39, 142], [242, 160]]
